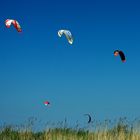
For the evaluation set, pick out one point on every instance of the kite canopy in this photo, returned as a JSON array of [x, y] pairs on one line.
[[15, 23], [67, 34], [46, 103], [89, 117], [122, 56]]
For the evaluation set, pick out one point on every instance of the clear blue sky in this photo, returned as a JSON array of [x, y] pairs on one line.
[[36, 65]]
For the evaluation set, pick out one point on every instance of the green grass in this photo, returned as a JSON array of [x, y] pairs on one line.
[[106, 130]]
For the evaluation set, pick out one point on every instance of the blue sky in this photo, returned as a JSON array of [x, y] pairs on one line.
[[36, 65]]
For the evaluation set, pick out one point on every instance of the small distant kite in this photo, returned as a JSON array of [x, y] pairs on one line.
[[89, 117], [67, 34], [122, 56], [46, 103], [8, 23]]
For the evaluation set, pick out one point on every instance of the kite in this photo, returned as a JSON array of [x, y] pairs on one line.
[[89, 117], [122, 56], [46, 103], [67, 34], [8, 23]]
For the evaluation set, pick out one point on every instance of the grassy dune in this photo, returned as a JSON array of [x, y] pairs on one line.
[[121, 130]]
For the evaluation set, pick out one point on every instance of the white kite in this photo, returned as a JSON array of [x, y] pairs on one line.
[[67, 34]]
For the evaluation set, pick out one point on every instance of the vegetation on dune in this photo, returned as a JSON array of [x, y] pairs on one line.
[[107, 130]]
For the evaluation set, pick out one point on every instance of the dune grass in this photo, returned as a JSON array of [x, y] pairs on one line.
[[106, 130]]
